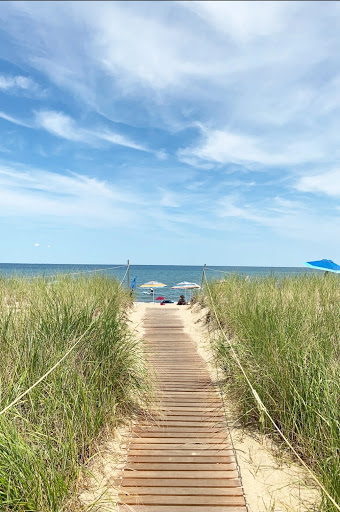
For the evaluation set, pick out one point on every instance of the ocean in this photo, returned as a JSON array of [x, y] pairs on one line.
[[167, 274]]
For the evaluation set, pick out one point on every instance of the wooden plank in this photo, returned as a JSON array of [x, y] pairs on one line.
[[207, 412], [169, 404], [164, 437], [236, 500], [183, 426], [180, 474], [195, 394], [184, 429], [179, 440], [235, 490], [193, 419], [180, 508], [208, 409], [181, 459], [136, 445], [199, 483], [183, 466], [181, 453]]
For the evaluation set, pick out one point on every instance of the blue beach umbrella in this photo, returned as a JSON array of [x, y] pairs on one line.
[[326, 265]]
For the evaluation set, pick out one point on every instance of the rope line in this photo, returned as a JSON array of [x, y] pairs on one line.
[[16, 400], [120, 284], [81, 272], [226, 414], [263, 408], [222, 271]]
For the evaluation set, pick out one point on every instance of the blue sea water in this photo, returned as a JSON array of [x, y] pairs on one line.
[[167, 274]]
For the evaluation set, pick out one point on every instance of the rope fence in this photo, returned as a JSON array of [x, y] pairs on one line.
[[222, 271], [261, 405], [127, 270], [77, 273]]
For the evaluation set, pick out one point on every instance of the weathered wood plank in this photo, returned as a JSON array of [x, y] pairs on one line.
[[182, 453], [179, 445], [181, 508], [181, 459], [190, 427], [236, 500], [236, 490], [199, 483], [180, 474], [182, 466]]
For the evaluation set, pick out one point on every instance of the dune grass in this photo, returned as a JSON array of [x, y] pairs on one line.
[[287, 336], [50, 434]]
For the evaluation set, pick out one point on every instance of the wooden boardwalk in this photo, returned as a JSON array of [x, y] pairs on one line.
[[182, 461]]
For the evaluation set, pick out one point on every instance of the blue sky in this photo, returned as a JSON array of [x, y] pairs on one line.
[[170, 132]]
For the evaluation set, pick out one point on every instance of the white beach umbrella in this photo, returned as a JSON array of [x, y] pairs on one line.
[[185, 285]]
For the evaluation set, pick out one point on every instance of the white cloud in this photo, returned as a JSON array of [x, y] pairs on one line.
[[224, 146], [60, 124], [33, 193], [63, 126], [243, 21], [288, 218], [36, 245], [226, 207], [8, 82], [325, 183], [14, 120]]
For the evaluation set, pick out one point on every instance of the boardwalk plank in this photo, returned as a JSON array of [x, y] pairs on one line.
[[181, 508], [236, 490], [199, 483], [181, 459], [180, 474], [189, 500], [182, 466]]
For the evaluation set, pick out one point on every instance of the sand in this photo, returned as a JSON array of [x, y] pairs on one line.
[[271, 483]]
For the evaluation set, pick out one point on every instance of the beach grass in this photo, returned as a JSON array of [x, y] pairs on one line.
[[286, 334], [49, 435]]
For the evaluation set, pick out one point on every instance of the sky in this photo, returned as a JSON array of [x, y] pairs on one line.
[[170, 132]]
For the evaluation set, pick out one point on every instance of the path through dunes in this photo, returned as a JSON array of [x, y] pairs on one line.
[[182, 461]]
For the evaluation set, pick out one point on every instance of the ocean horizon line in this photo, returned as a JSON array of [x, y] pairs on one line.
[[153, 265]]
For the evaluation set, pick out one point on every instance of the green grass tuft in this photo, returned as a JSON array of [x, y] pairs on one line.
[[287, 335]]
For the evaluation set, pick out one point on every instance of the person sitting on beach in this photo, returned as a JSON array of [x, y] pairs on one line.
[[182, 301]]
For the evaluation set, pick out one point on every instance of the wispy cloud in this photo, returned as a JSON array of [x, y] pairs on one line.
[[225, 146], [72, 198], [63, 126], [15, 120], [327, 182], [287, 218], [18, 83]]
